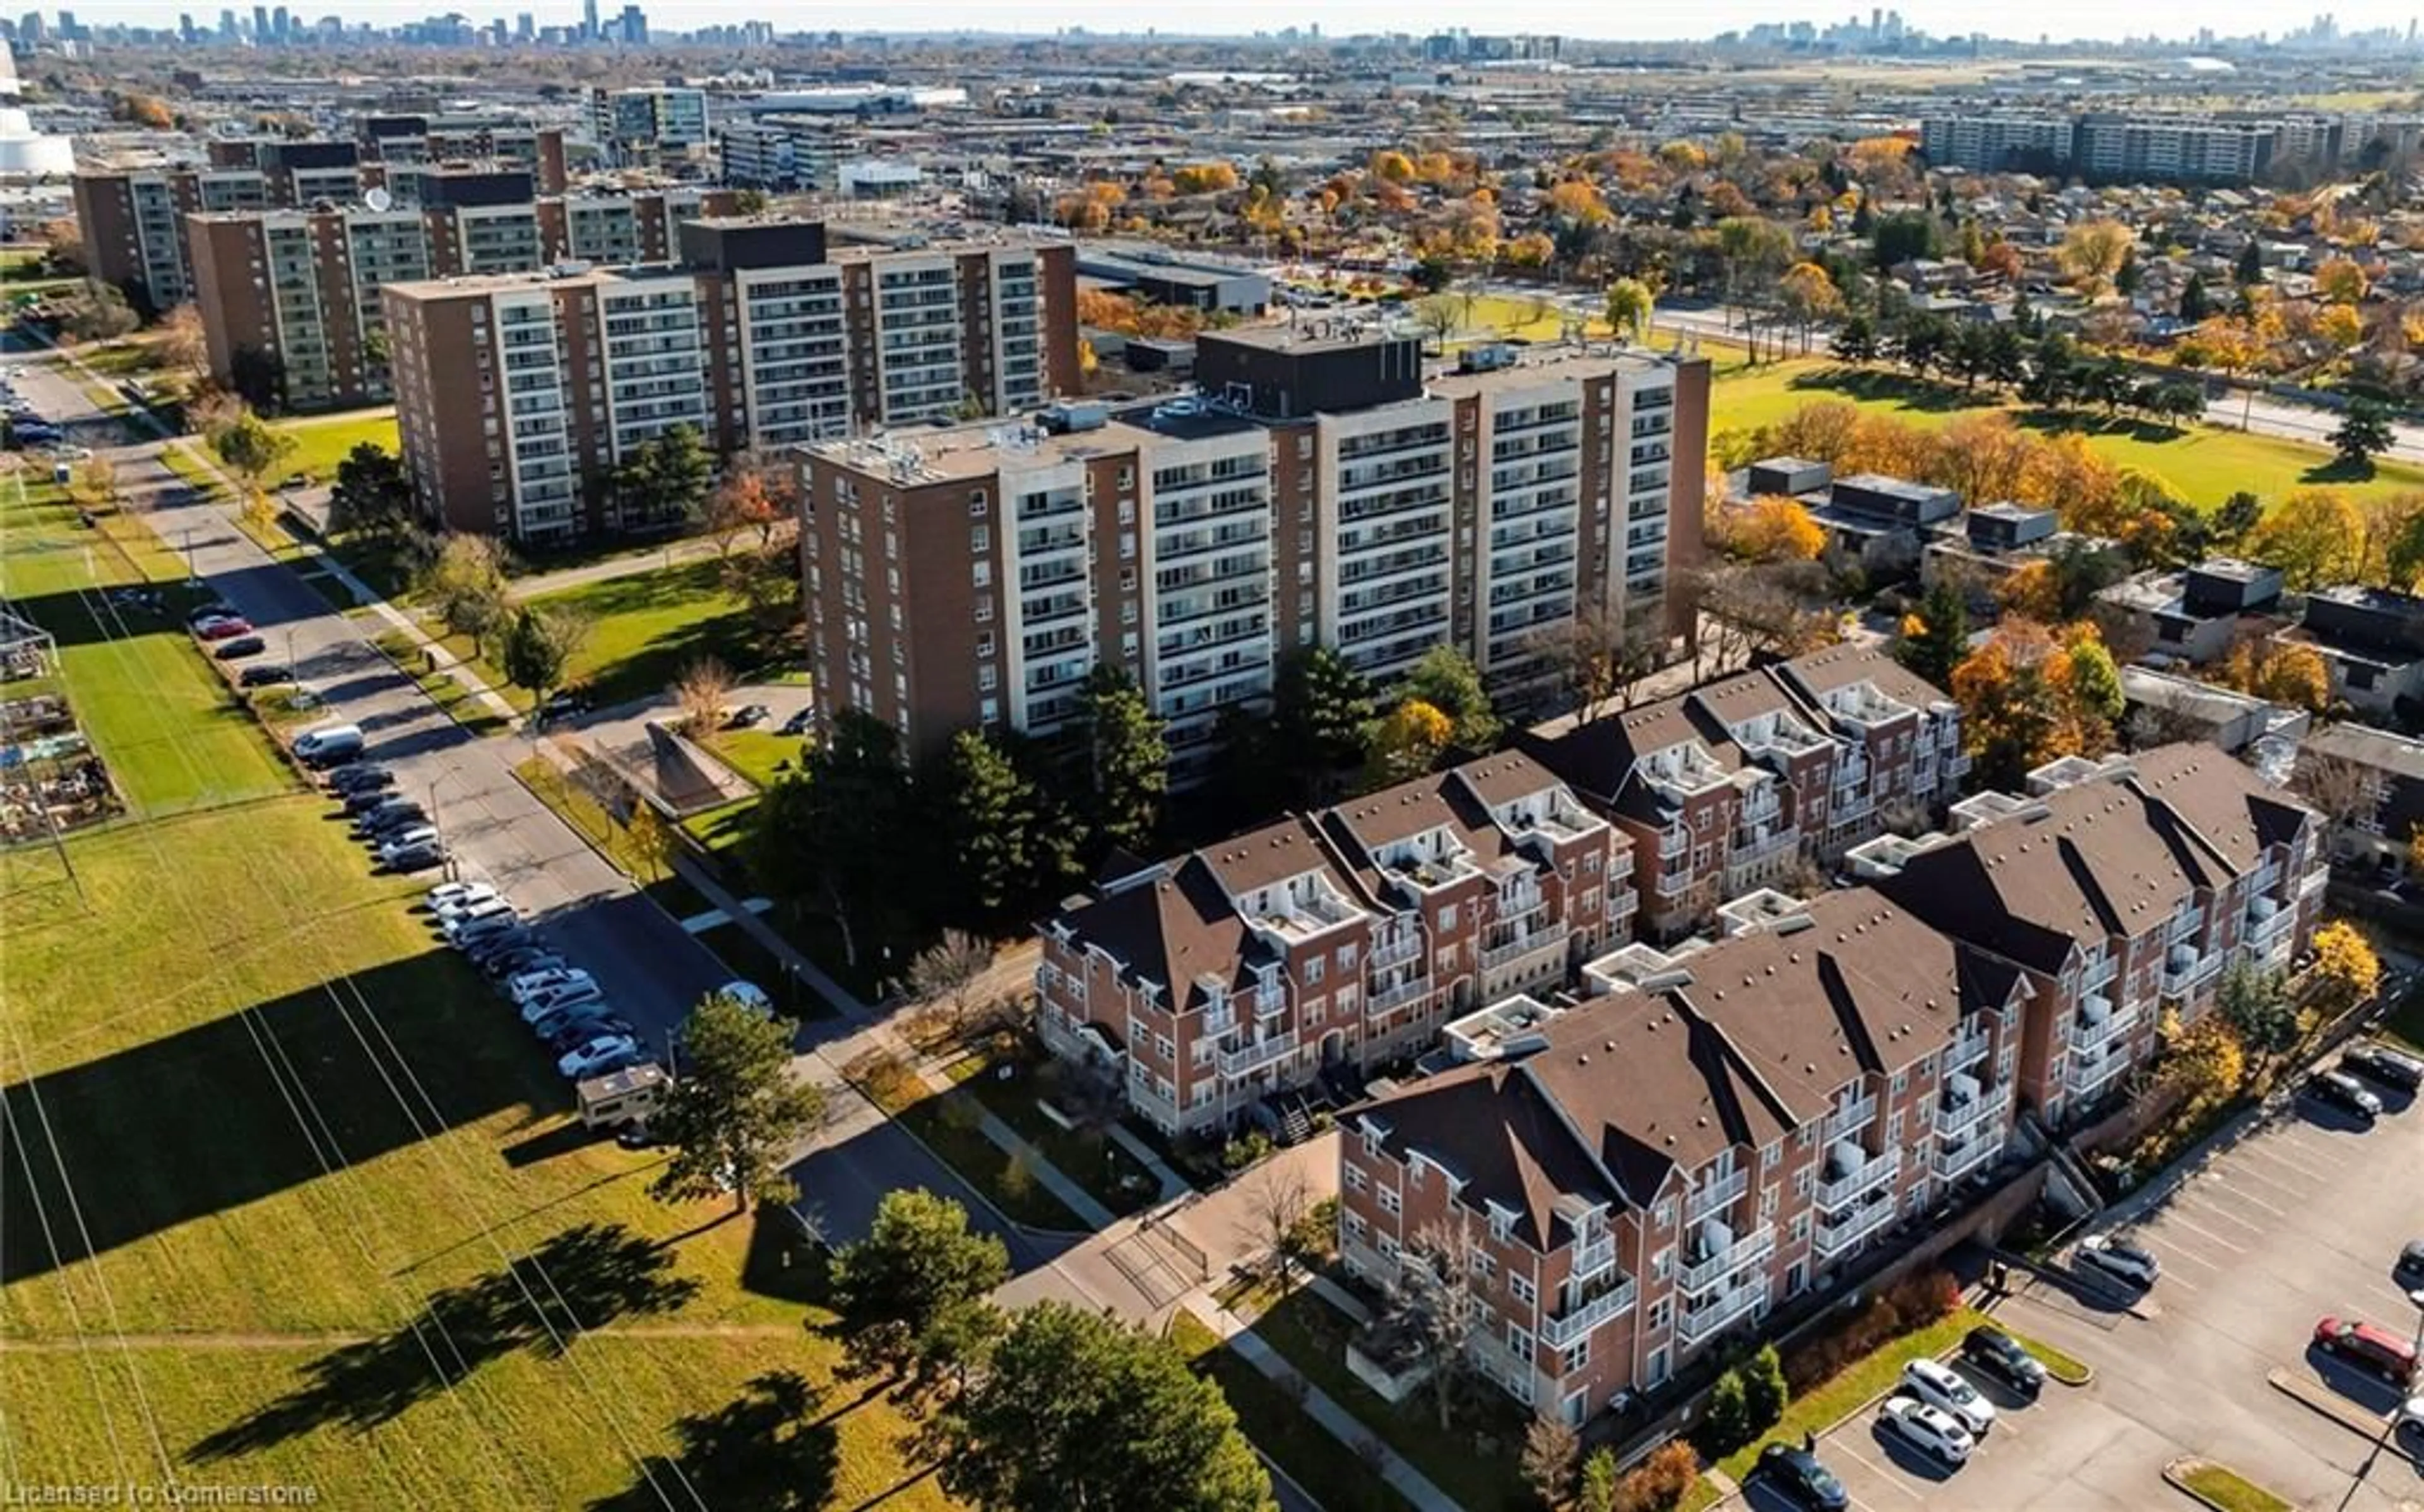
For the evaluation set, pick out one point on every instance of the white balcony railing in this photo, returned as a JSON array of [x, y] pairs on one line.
[[2182, 979], [1956, 1121], [1592, 1258], [2313, 883], [1674, 842], [1716, 1196], [2098, 1025], [1875, 1173], [1530, 942], [2084, 1076], [1395, 950], [1952, 1160], [1697, 1325], [1256, 1053], [1747, 1250], [1850, 1118], [1833, 1236], [1589, 1306], [1389, 1000], [1967, 1048], [2098, 971], [2267, 921], [1622, 902]]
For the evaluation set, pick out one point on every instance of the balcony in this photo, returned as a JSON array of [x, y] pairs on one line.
[[1967, 1048], [1530, 942], [2097, 972], [1673, 843], [1719, 1263], [1951, 1160], [1877, 1172], [2267, 922], [2098, 1025], [1964, 1108], [1395, 950], [2313, 883], [1390, 999], [1697, 1325], [1589, 1304], [1844, 1233], [1850, 1118], [1622, 902], [2181, 979], [1592, 1258], [2085, 1075], [1256, 1053], [1957, 766], [1716, 1196]]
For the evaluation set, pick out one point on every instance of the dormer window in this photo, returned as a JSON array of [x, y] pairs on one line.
[[1502, 1222]]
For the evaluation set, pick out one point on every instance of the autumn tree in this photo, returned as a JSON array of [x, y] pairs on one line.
[[1408, 742], [181, 345], [1772, 528], [2029, 695], [2346, 971], [464, 585], [2091, 253], [2315, 538], [2341, 281], [741, 504], [2279, 671], [702, 692], [1630, 303]]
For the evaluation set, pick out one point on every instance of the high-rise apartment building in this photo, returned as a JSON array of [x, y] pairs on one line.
[[290, 299], [517, 394], [1318, 488], [646, 124]]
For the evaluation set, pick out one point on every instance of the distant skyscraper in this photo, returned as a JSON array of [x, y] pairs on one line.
[[186, 27], [279, 27], [261, 24], [635, 26], [589, 20], [525, 27], [227, 24]]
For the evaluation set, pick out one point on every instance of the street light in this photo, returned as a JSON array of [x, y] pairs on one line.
[[435, 782]]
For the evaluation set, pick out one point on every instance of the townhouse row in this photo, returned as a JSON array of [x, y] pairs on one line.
[[1356, 933], [1317, 489], [1639, 1178], [518, 395]]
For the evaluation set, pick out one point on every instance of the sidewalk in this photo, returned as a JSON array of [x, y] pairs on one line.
[[1336, 1421]]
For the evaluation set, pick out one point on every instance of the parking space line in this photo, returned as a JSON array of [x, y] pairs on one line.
[[2225, 1184], [2174, 1248], [2279, 1152], [2206, 1204], [2176, 1217], [1844, 1442]]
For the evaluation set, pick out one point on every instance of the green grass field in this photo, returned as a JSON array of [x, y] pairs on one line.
[[322, 441], [1280, 1428], [292, 1202], [2203, 464], [645, 628]]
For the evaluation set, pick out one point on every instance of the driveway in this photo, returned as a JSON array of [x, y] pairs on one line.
[[2300, 1218]]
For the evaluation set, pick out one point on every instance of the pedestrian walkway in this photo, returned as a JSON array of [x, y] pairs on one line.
[[1336, 1421], [1173, 1186], [696, 872], [1047, 1175]]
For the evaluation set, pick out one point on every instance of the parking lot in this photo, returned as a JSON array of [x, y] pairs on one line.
[[2300, 1218]]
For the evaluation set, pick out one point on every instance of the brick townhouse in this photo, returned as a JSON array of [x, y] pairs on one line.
[[1732, 786], [1652, 1169], [1335, 941], [2123, 898], [1662, 1169]]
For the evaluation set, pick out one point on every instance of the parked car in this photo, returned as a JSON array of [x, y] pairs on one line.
[[462, 916], [1995, 1353], [2337, 1089], [523, 988], [548, 1000], [222, 629], [749, 996], [1929, 1430], [550, 1025], [264, 674], [506, 965], [329, 744], [2119, 1260], [1941, 1387], [563, 706], [599, 1056], [798, 723], [368, 799], [451, 898], [578, 1033], [210, 609], [1798, 1472], [416, 858], [238, 648], [2409, 1267], [471, 931], [410, 837], [360, 776], [2410, 1426], [2382, 1064], [2369, 1347], [382, 822], [748, 717], [488, 947]]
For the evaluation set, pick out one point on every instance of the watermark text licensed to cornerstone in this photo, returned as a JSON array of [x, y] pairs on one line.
[[155, 1493]]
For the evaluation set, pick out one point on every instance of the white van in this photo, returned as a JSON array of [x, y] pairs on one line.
[[329, 744]]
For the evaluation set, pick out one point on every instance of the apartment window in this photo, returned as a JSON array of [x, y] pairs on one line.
[[977, 503], [1519, 1341], [982, 575], [1893, 1128], [1662, 1264], [1578, 1355], [1483, 1264], [1127, 477], [1387, 1244], [1356, 1228], [1447, 917], [1356, 1178], [1346, 956], [1127, 546], [1127, 610], [984, 643], [987, 678], [1662, 1313], [1801, 1183], [1304, 447], [1767, 1200], [1901, 1082], [1391, 1203], [1801, 1227], [1127, 511], [1665, 1213], [980, 540], [1772, 1156], [1127, 579], [1313, 971], [984, 608], [1519, 1286]]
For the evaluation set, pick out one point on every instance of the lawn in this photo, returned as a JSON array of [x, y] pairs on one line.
[[292, 1202], [946, 1123], [178, 459], [322, 441], [2204, 464], [1096, 1162], [1843, 1394], [1475, 1464], [173, 736], [1278, 1427], [760, 754], [2225, 1487], [2404, 1022]]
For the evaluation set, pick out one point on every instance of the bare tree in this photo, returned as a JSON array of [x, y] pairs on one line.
[[2339, 789], [946, 971], [1437, 1293], [1275, 1214], [1599, 658], [702, 690]]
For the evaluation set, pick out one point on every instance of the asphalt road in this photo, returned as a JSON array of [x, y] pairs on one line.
[[497, 830], [2301, 1218]]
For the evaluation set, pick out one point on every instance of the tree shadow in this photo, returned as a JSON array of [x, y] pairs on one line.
[[785, 1259], [759, 1450], [1873, 386], [584, 1277], [2340, 470]]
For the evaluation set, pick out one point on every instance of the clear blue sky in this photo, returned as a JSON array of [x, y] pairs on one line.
[[1658, 19]]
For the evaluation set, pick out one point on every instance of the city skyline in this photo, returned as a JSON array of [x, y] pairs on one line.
[[2063, 20]]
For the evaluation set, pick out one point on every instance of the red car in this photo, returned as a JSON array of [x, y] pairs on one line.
[[2368, 1346], [220, 629]]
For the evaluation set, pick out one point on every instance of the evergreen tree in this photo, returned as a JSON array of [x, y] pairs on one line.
[[829, 836], [1936, 639], [372, 494], [1128, 759], [1446, 680], [1081, 1411], [2251, 264], [736, 1113], [1319, 708], [917, 1265], [996, 827], [2195, 304]]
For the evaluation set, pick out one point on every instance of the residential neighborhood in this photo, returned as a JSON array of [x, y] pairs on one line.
[[1292, 760]]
